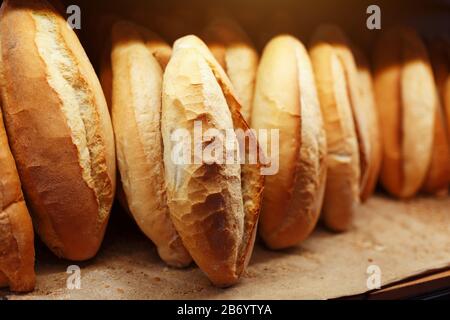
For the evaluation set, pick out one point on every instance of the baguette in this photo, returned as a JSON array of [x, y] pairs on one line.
[[438, 176], [214, 205], [59, 128], [337, 94], [16, 229], [233, 50], [368, 106], [136, 114], [286, 99], [406, 99]]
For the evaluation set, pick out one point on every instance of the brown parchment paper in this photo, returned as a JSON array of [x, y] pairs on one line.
[[402, 238]]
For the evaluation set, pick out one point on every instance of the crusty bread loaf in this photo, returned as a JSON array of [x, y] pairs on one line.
[[158, 47], [234, 51], [368, 105], [337, 94], [58, 126], [16, 229], [286, 100], [406, 100], [335, 37], [136, 114], [214, 205], [438, 176], [160, 50]]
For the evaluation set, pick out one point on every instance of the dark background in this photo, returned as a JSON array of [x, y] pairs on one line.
[[260, 18]]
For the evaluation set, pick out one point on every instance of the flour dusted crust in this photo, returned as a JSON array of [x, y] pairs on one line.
[[214, 206], [136, 114], [58, 126], [336, 95]]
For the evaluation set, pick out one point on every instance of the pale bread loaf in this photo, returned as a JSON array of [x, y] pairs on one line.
[[342, 192], [136, 114], [286, 100], [365, 85]]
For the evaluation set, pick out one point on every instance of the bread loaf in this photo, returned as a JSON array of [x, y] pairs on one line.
[[406, 99], [16, 229], [136, 114], [337, 89], [438, 176], [58, 126], [234, 51], [368, 106], [286, 100], [214, 204]]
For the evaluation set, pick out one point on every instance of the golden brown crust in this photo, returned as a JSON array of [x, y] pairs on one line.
[[233, 50], [368, 104], [137, 89], [286, 99], [438, 176], [406, 99], [59, 128], [214, 206], [16, 229], [343, 177]]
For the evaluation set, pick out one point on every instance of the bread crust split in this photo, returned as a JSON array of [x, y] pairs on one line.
[[214, 206], [16, 229], [236, 54], [58, 126], [136, 114], [286, 99], [407, 101], [337, 94]]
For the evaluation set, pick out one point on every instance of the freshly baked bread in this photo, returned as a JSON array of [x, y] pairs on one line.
[[337, 94], [234, 51], [368, 106], [58, 126], [286, 100], [16, 229], [158, 47], [438, 176], [334, 36], [160, 50], [214, 203], [406, 100], [136, 114]]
